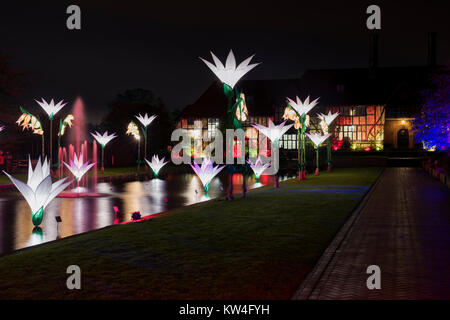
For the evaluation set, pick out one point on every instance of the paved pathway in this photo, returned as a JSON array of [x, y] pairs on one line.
[[403, 226]]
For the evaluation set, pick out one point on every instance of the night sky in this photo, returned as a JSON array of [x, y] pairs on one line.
[[156, 44]]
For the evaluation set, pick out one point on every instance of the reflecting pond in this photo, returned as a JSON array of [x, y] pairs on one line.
[[83, 214]]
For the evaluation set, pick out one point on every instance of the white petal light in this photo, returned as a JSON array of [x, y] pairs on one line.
[[273, 132], [77, 167], [104, 138], [302, 107], [318, 138], [258, 167], [206, 172], [146, 120], [156, 164], [39, 189], [51, 108], [328, 118], [230, 74]]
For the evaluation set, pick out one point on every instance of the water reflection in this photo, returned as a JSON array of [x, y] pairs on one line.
[[82, 214]]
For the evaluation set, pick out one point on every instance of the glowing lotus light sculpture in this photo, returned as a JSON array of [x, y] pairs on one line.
[[304, 107], [206, 172], [273, 132], [230, 74], [145, 121], [39, 189], [258, 167], [328, 118], [2, 128], [298, 112], [103, 139], [156, 164], [78, 167], [317, 139], [51, 109]]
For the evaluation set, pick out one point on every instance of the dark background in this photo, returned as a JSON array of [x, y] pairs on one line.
[[156, 44]]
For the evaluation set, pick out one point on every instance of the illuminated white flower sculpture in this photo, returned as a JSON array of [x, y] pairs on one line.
[[273, 132], [317, 139], [302, 108], [230, 74], [206, 172], [156, 164], [39, 189], [146, 120], [258, 167], [103, 139], [328, 118], [77, 167], [51, 108], [2, 128]]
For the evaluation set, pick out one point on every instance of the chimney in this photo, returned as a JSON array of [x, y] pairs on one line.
[[431, 49], [373, 50]]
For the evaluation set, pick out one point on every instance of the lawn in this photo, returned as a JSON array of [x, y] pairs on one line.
[[255, 248]]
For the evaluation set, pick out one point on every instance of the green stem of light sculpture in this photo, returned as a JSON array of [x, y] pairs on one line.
[[43, 151], [103, 157], [37, 217], [51, 149], [317, 158], [329, 152], [145, 143], [139, 155]]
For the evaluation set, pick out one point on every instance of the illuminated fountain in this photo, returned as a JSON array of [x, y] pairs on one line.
[[156, 164], [39, 189], [317, 139], [206, 172]]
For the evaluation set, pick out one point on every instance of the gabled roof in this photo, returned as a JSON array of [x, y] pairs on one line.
[[365, 86], [261, 97], [395, 87]]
